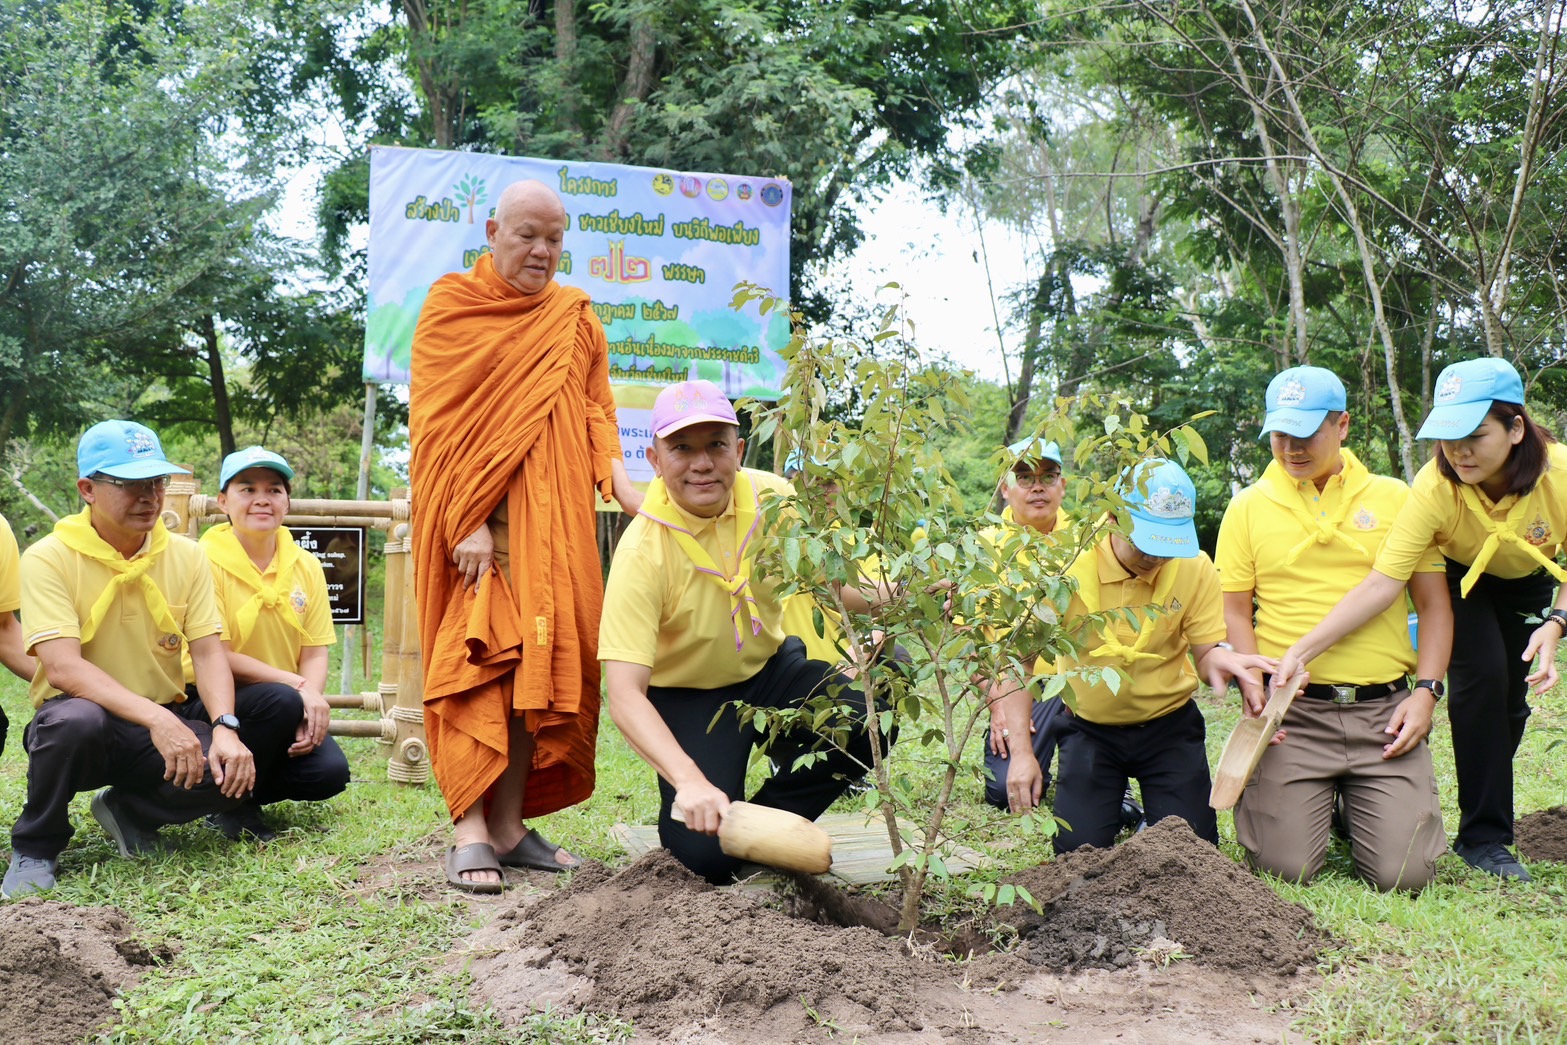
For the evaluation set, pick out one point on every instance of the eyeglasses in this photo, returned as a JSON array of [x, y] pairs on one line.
[[1030, 478], [136, 487]]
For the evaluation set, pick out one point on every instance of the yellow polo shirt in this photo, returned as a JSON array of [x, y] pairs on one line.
[[1150, 688], [10, 569], [661, 613], [799, 619], [995, 537], [1436, 514], [59, 588], [272, 641], [1269, 545]]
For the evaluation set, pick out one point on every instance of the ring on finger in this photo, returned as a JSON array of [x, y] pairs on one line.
[[1006, 732]]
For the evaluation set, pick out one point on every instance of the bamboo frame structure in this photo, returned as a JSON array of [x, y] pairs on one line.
[[399, 698]]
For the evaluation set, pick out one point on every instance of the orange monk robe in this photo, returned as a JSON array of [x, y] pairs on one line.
[[510, 400]]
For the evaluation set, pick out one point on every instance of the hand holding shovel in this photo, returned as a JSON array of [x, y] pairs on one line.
[[1250, 739], [775, 837]]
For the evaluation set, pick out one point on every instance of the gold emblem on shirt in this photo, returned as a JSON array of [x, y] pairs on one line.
[[1538, 532], [1364, 520]]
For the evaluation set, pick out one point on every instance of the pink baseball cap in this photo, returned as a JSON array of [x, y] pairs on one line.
[[689, 403]]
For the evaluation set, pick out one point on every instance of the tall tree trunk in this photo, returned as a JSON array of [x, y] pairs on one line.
[[634, 89], [566, 62], [222, 412]]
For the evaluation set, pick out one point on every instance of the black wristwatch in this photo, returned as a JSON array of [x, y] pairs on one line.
[[227, 720], [1559, 616], [1434, 685]]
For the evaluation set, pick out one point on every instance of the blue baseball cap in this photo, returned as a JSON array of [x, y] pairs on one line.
[[1464, 394], [1299, 398], [252, 457], [1035, 449], [1162, 510], [124, 450]]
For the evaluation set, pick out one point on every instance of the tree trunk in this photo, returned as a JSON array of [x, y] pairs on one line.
[[566, 62], [633, 90], [222, 412]]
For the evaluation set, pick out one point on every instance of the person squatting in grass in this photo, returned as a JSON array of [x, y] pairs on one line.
[[512, 426], [1493, 500], [1295, 543], [1150, 730], [688, 629], [13, 650], [110, 599], [277, 627]]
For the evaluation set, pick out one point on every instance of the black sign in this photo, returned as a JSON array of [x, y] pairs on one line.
[[341, 552]]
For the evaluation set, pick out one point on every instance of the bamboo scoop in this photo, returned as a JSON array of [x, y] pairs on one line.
[[775, 837], [1247, 743]]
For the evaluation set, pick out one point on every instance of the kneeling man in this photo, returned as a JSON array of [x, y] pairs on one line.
[[688, 629]]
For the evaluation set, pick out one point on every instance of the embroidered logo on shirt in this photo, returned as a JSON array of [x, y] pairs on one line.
[[1539, 531], [1450, 389], [298, 601], [169, 643], [1175, 605], [1364, 520]]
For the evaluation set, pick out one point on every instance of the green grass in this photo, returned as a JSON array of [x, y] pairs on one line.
[[299, 942]]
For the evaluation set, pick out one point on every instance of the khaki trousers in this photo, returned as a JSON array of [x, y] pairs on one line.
[[1391, 806]]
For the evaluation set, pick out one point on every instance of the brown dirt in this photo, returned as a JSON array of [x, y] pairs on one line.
[[1543, 835], [689, 963], [1103, 907], [61, 967]]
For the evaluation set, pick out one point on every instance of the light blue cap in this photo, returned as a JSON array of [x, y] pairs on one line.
[[1162, 511], [123, 449], [1299, 398], [1035, 449], [252, 457], [1464, 394], [794, 462]]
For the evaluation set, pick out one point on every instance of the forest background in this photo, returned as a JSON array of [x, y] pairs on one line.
[[1214, 190]]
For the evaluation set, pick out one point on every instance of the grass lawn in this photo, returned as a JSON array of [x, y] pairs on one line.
[[289, 942]]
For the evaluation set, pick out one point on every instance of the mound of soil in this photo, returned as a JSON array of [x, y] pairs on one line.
[[1543, 835], [60, 968], [661, 947], [1106, 908]]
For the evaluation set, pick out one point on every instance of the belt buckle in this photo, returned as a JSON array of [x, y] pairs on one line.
[[1343, 694]]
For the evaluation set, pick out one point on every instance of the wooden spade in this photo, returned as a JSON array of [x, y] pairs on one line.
[[775, 837], [1247, 743]]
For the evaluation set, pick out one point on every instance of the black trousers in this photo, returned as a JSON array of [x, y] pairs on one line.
[[1487, 698], [1167, 756], [74, 745], [308, 778], [722, 752], [1048, 718]]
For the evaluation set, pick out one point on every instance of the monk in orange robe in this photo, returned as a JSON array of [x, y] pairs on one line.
[[513, 427]]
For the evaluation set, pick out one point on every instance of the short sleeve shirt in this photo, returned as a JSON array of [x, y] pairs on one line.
[[10, 570], [1259, 537], [1436, 514], [661, 613], [1150, 688], [60, 586]]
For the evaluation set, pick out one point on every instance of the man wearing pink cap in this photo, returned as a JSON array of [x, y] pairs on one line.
[[688, 630]]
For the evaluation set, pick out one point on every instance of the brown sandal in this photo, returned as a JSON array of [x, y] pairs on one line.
[[539, 853], [477, 856]]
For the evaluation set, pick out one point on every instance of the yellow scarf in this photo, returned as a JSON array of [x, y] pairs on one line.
[[77, 534], [227, 554], [1320, 529], [660, 509], [1497, 534], [1085, 570]]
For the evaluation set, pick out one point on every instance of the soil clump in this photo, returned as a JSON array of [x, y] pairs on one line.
[[1164, 893], [1543, 835], [61, 967], [659, 946]]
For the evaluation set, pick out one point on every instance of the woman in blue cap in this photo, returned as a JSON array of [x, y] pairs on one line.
[[1493, 500], [277, 627]]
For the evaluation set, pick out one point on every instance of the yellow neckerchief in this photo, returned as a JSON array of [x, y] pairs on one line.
[[225, 552], [1062, 520], [660, 509], [1085, 570], [77, 534], [1497, 534], [1279, 487]]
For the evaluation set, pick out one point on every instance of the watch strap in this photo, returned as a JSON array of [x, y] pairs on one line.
[[1433, 685], [1559, 616]]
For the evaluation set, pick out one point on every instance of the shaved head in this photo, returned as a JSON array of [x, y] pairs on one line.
[[526, 235]]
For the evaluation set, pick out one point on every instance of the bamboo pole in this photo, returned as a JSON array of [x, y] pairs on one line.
[[355, 701], [379, 728], [410, 762]]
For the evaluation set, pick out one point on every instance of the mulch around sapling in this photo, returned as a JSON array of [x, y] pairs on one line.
[[61, 968], [1543, 835], [1106, 908]]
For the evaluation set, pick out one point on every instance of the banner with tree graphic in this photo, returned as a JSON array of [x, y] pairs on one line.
[[659, 251]]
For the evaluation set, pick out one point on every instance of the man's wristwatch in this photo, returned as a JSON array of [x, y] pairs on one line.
[[1434, 685], [227, 720], [1559, 616]]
